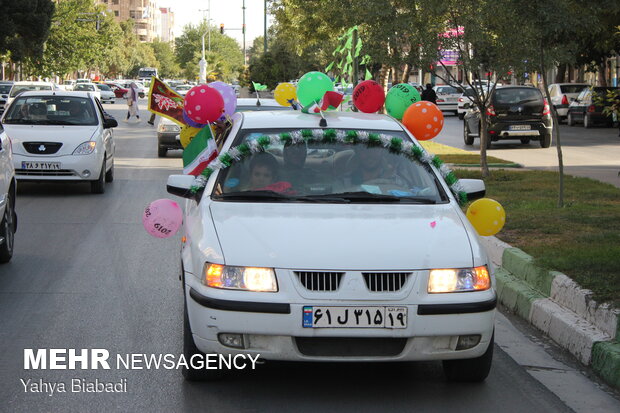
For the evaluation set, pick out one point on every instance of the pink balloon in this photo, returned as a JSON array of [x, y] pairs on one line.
[[162, 218], [229, 96], [203, 104]]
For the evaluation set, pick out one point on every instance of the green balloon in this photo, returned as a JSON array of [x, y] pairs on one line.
[[399, 98], [312, 86]]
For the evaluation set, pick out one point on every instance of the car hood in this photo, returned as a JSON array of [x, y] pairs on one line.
[[341, 237], [70, 136]]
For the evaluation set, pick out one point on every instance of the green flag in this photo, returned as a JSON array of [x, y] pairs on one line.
[[258, 87]]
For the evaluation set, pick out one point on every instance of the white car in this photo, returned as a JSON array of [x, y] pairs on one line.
[[323, 248], [182, 89], [447, 97], [88, 87], [8, 222], [61, 136], [106, 92], [19, 87], [253, 104], [563, 94], [142, 90]]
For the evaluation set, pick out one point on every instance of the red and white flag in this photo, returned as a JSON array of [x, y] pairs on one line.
[[330, 100]]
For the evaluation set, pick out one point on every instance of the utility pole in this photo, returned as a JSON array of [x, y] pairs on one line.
[[265, 30], [245, 57], [202, 65]]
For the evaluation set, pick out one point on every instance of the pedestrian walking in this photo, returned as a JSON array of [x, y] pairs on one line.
[[429, 94], [132, 101]]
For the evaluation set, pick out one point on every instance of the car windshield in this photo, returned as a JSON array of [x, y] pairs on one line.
[[104, 87], [327, 172], [572, 88], [5, 88], [51, 110], [511, 96], [17, 89], [83, 87]]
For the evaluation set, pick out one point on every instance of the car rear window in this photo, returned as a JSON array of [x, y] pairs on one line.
[[511, 96], [572, 88]]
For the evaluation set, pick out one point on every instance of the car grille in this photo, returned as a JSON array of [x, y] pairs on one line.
[[320, 281], [48, 148], [58, 172], [350, 346], [385, 281]]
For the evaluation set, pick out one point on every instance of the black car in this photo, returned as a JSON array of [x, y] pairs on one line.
[[514, 112], [588, 110]]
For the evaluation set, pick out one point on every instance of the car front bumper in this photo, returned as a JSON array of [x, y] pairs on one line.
[[72, 167], [274, 330]]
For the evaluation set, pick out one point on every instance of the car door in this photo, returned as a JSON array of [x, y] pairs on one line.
[[108, 134], [6, 165]]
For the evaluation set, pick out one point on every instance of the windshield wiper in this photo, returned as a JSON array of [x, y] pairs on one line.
[[57, 122], [254, 195], [363, 196]]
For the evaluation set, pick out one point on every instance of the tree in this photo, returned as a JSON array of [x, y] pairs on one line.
[[224, 60], [81, 38], [166, 59], [25, 27]]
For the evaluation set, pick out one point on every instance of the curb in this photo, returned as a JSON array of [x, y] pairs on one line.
[[556, 305]]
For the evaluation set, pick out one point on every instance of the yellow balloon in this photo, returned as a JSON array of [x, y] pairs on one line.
[[285, 94], [487, 216], [187, 133]]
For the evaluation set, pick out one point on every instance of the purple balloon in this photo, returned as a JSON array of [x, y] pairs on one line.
[[190, 122], [229, 96]]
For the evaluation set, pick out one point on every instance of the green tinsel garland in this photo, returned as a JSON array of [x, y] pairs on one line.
[[352, 137]]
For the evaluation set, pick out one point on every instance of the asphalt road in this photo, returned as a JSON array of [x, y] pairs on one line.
[[86, 275], [593, 153]]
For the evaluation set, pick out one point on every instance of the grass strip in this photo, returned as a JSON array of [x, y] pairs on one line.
[[582, 239]]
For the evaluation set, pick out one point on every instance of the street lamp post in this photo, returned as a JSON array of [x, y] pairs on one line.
[[202, 65]]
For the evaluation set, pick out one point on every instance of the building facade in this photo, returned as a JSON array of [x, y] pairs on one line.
[[166, 24], [145, 13]]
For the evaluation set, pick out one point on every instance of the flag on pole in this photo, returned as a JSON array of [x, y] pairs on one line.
[[199, 152], [258, 87], [330, 100], [165, 102]]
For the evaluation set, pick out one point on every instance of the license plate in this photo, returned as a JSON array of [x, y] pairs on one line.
[[355, 317], [40, 165], [520, 127], [451, 100]]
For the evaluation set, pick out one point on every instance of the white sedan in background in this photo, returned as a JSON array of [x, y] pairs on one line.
[[88, 87], [106, 93], [61, 136], [322, 248]]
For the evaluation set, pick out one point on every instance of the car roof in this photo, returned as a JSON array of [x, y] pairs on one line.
[[32, 83], [252, 102], [51, 93], [335, 119]]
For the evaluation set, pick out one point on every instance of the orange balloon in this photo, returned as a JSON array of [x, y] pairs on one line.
[[424, 120]]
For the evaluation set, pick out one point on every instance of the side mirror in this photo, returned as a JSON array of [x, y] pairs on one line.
[[180, 185], [474, 188], [109, 123]]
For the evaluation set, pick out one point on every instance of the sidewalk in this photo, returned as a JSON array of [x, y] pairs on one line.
[[554, 303]]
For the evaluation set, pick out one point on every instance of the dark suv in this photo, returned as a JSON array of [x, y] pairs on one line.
[[514, 112], [588, 107]]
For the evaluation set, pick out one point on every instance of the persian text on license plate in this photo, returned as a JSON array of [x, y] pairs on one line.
[[520, 127], [355, 317], [41, 166]]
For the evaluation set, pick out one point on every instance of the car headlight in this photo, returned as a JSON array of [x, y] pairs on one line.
[[164, 127], [456, 280], [85, 148], [240, 278]]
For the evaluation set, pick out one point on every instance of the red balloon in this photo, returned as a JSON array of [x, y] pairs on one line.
[[368, 96], [424, 120], [204, 104]]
